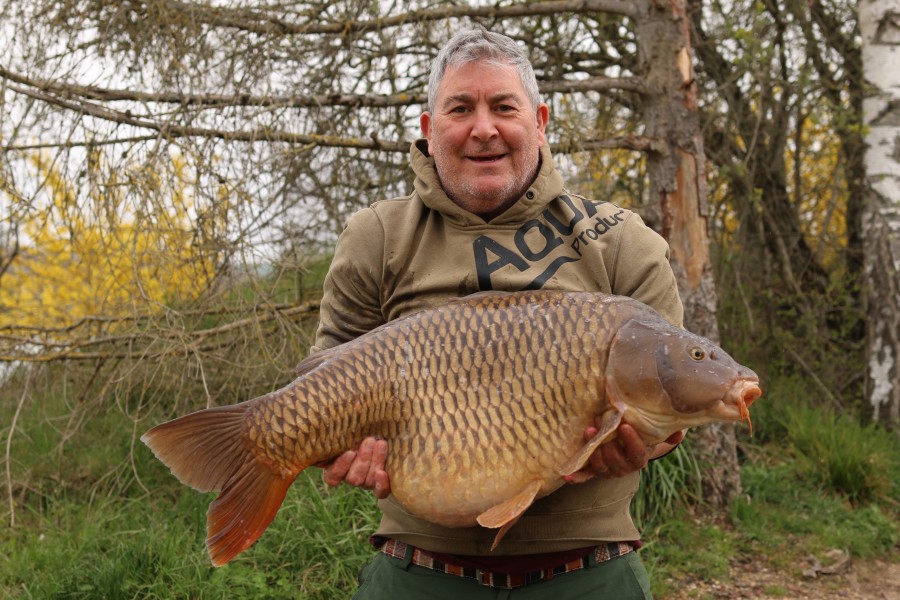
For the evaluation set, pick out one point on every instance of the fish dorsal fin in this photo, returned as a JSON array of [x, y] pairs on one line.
[[311, 362], [610, 423], [480, 295], [505, 514]]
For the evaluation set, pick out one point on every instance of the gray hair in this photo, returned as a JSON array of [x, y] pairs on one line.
[[483, 46]]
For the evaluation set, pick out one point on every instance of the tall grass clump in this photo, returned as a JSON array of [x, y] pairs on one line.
[[831, 448], [667, 484], [857, 461], [816, 477]]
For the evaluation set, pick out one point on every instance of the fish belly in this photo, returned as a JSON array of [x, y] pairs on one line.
[[468, 475]]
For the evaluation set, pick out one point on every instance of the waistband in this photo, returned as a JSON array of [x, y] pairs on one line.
[[601, 553]]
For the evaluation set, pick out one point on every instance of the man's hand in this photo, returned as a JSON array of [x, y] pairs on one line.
[[625, 454], [362, 468]]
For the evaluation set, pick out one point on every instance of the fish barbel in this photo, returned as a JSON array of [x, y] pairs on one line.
[[483, 402]]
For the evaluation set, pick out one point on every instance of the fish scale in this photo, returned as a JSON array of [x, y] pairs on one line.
[[484, 403]]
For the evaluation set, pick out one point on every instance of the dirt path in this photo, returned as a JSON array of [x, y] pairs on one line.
[[859, 580]]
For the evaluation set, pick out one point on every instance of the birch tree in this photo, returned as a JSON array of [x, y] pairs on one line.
[[879, 22]]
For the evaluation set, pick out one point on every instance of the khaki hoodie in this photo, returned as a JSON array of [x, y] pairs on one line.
[[406, 254]]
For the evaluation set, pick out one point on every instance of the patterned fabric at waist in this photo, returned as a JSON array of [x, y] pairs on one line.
[[601, 553]]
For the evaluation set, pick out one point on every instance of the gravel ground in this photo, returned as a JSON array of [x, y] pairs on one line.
[[750, 580]]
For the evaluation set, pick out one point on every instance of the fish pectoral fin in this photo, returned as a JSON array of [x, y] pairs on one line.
[[610, 423], [508, 512]]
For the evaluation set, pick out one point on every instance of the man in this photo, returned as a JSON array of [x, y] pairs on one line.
[[489, 212]]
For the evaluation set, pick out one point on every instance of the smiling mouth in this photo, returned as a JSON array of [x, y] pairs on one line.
[[486, 159]]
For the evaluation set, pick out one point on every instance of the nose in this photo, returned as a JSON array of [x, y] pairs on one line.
[[483, 127]]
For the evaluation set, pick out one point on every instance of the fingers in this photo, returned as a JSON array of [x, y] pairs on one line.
[[358, 473], [580, 476], [634, 451], [368, 471], [676, 438], [625, 454], [363, 468], [336, 471]]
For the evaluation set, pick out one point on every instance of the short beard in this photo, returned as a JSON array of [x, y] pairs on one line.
[[510, 193]]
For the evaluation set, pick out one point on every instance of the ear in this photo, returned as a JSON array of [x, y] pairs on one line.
[[425, 124], [542, 117]]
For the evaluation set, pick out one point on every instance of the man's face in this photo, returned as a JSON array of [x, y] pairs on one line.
[[484, 137]]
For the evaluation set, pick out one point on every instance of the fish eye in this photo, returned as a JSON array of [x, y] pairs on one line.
[[697, 353]]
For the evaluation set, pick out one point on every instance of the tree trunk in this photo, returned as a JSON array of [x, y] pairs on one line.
[[677, 183], [879, 23]]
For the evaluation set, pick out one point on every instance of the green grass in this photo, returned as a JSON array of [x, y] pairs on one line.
[[814, 479], [786, 517], [97, 516], [152, 547]]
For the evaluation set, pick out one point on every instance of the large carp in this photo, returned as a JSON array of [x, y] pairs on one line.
[[483, 402]]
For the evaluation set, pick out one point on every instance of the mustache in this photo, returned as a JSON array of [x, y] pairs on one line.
[[488, 149]]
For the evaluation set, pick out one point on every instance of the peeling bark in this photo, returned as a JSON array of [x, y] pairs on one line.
[[879, 22], [678, 183]]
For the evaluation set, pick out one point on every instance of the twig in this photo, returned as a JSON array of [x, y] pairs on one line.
[[835, 401], [12, 429], [134, 469]]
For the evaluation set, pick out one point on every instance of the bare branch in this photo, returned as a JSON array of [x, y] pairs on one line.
[[170, 131], [255, 22], [590, 84], [74, 349], [626, 142], [80, 144], [123, 319], [7, 258]]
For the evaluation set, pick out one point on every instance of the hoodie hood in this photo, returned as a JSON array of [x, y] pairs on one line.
[[546, 186]]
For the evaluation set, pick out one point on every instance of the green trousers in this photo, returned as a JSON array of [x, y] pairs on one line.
[[388, 578]]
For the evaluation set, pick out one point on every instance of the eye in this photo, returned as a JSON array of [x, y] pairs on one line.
[[697, 353]]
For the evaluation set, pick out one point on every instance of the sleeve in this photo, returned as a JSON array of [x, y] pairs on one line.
[[642, 270], [351, 300]]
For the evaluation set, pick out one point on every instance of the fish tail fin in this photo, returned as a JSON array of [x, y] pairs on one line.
[[244, 510], [208, 451]]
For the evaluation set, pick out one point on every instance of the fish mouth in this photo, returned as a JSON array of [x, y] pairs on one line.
[[749, 392], [736, 403]]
